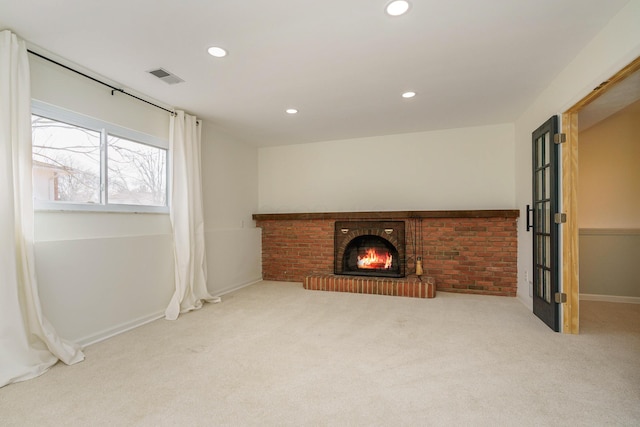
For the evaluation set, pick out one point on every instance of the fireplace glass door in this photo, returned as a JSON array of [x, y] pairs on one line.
[[371, 255], [369, 248]]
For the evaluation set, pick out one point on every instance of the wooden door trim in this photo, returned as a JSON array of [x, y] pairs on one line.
[[570, 279], [570, 255]]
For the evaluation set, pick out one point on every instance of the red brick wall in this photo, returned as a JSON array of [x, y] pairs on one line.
[[294, 249], [470, 255]]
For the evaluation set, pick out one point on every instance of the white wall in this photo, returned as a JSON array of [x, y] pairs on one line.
[[614, 47], [469, 168], [230, 192], [55, 85], [103, 273]]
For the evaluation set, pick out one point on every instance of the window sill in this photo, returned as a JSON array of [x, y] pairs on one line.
[[41, 206]]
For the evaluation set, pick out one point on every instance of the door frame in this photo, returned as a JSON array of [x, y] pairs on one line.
[[570, 230]]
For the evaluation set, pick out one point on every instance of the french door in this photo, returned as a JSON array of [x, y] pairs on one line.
[[546, 274]]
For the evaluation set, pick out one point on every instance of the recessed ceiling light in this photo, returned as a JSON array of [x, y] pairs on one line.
[[218, 52], [408, 94], [397, 7], [292, 111]]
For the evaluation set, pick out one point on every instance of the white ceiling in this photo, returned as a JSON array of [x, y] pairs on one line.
[[616, 98], [342, 64]]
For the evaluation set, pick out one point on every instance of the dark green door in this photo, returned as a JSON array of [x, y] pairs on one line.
[[545, 230]]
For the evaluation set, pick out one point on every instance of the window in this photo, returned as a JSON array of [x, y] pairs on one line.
[[80, 163]]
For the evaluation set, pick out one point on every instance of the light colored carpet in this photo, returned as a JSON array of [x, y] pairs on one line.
[[276, 354]]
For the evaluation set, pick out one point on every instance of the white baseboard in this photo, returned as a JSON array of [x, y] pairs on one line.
[[124, 327], [236, 287], [609, 298], [111, 332]]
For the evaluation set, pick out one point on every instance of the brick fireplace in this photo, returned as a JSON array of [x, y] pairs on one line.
[[461, 251]]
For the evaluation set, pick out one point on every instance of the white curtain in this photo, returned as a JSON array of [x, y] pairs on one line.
[[28, 343], [187, 218]]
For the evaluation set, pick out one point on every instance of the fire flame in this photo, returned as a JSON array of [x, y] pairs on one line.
[[373, 259]]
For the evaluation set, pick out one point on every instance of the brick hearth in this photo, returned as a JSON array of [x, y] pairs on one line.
[[463, 251], [405, 287]]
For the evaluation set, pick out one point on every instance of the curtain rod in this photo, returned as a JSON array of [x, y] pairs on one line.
[[113, 88]]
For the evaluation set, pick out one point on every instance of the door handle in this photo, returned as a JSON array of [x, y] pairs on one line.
[[529, 222]]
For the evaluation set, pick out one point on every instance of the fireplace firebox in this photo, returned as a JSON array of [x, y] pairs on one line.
[[369, 248]]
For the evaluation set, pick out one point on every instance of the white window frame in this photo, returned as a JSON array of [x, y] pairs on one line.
[[105, 129]]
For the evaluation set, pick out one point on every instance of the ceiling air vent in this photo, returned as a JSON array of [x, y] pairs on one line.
[[166, 76]]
